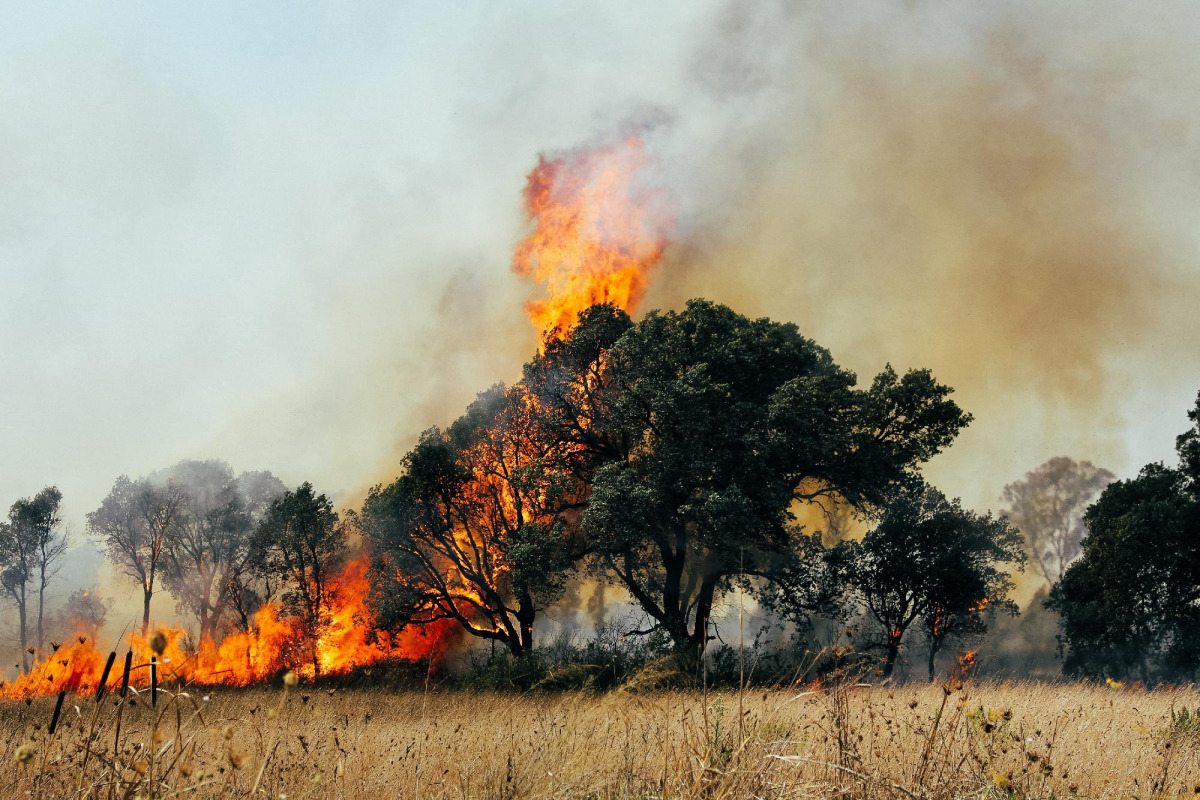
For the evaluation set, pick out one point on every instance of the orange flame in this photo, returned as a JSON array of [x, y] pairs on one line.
[[599, 228], [346, 641]]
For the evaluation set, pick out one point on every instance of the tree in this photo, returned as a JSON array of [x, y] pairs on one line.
[[84, 613], [135, 521], [1130, 605], [931, 561], [208, 555], [476, 529], [300, 543], [31, 545], [698, 430], [1048, 507]]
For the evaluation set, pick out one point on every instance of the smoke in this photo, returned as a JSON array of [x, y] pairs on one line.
[[973, 191]]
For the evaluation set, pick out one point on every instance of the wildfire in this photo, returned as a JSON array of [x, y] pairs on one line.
[[599, 227], [347, 640]]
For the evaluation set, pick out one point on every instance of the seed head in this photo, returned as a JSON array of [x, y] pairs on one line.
[[290, 679], [24, 753], [158, 642]]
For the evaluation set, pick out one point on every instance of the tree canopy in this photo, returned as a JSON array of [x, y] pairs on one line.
[[1048, 504], [727, 422], [299, 541], [932, 563], [208, 553], [1131, 604]]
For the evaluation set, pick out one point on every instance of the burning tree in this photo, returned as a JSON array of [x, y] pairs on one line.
[[208, 555], [31, 544], [930, 561], [1048, 507], [84, 613], [134, 521], [301, 543], [478, 529]]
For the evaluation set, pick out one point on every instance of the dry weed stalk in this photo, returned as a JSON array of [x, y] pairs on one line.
[[842, 737]]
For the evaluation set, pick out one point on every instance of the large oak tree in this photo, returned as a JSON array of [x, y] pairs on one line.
[[703, 427]]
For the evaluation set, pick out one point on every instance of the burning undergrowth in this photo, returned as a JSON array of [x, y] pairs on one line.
[[347, 640], [599, 226]]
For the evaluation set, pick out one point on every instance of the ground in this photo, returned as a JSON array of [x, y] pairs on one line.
[[1002, 740]]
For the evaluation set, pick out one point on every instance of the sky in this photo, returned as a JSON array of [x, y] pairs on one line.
[[280, 235]]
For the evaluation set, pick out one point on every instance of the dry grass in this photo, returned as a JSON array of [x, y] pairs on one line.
[[920, 741]]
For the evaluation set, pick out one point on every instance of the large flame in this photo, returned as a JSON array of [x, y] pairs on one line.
[[600, 225], [276, 642]]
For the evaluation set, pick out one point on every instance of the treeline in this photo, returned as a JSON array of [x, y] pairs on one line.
[[221, 545], [679, 458], [672, 457]]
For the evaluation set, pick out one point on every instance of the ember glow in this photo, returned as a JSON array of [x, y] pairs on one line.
[[600, 226], [347, 640]]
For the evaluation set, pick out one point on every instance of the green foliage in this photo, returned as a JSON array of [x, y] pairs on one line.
[[1184, 726], [933, 562], [1129, 606], [607, 661], [300, 544], [31, 546], [704, 427]]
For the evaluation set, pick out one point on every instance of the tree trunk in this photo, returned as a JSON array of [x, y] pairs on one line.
[[526, 612], [24, 633], [893, 650], [41, 607], [704, 602], [673, 610], [206, 627], [934, 646], [147, 593]]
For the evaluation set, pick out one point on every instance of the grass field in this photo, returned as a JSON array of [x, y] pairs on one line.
[[917, 741]]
